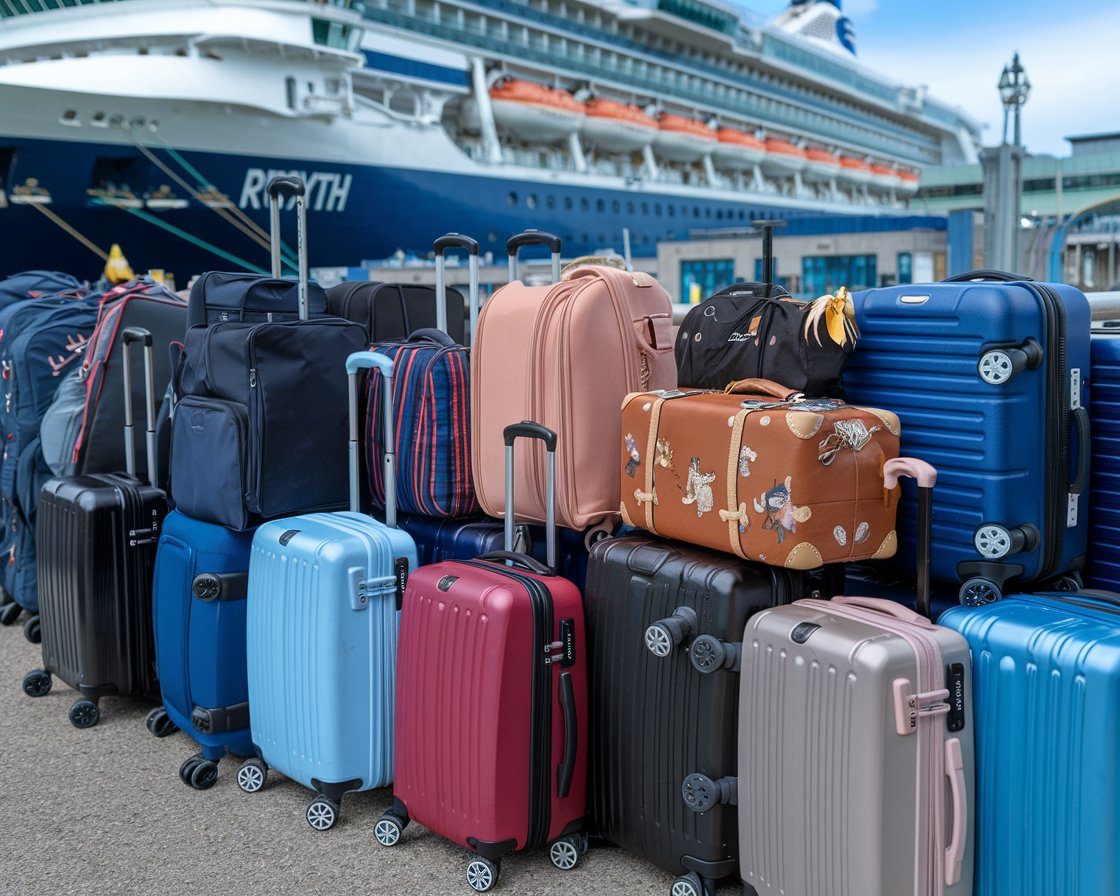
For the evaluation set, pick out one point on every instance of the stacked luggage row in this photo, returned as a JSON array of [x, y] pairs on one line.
[[563, 575]]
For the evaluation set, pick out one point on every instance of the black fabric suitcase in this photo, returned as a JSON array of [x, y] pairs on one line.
[[96, 541], [654, 719], [391, 311]]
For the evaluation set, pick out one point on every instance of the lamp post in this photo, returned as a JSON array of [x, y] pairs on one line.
[[1003, 170]]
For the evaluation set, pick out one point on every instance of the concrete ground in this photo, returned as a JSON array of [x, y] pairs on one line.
[[101, 812]]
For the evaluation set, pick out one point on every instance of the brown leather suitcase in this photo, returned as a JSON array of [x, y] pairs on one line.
[[760, 472]]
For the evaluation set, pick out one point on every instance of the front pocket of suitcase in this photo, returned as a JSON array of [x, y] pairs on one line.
[[208, 460]]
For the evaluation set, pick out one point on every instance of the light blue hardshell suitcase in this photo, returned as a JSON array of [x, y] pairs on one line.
[[987, 373], [1103, 567], [1046, 691], [324, 602]]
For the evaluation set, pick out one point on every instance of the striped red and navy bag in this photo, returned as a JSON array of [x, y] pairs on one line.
[[432, 427]]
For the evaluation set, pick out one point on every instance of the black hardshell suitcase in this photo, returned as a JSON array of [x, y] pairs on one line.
[[96, 540], [654, 719], [391, 311]]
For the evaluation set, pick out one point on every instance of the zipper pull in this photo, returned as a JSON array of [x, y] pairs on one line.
[[252, 377]]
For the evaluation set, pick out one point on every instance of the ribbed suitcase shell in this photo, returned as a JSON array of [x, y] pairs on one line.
[[656, 720], [200, 645], [1047, 693], [95, 544], [828, 801], [439, 539], [322, 648], [1103, 567], [1003, 452], [466, 712]]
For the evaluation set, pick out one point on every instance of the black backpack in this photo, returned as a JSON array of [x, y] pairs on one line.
[[752, 330]]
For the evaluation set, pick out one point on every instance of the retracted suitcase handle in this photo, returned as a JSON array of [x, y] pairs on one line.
[[384, 367], [533, 238], [441, 245], [926, 477], [767, 228], [984, 274], [287, 186], [129, 336]]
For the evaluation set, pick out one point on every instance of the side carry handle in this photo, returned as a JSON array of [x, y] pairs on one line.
[[129, 336], [1084, 451], [954, 769], [384, 366], [286, 187], [528, 430], [456, 241], [534, 238]]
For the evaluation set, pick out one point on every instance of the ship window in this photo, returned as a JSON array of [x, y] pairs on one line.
[[645, 208], [657, 209], [568, 203], [672, 209], [584, 205], [696, 211], [531, 200], [600, 205], [98, 119], [616, 207], [511, 199], [550, 201], [630, 208], [719, 214], [290, 91], [70, 117]]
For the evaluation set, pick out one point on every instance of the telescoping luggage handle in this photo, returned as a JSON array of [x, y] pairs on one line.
[[526, 429], [450, 241], [287, 186], [354, 363], [131, 335], [534, 238], [767, 228]]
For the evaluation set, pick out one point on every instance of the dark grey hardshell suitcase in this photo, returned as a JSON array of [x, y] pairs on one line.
[[96, 540], [655, 719]]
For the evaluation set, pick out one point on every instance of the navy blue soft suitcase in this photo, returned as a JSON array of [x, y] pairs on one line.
[[198, 613], [987, 373], [1103, 567]]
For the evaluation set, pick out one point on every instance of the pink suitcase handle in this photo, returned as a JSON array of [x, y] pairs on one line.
[[887, 607], [954, 768], [917, 469]]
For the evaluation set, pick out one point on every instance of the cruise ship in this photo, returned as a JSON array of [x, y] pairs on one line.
[[155, 124]]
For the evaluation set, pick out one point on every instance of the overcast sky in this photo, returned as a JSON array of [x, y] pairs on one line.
[[1069, 48]]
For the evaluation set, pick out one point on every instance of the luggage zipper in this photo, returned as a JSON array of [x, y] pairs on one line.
[[256, 432], [540, 722]]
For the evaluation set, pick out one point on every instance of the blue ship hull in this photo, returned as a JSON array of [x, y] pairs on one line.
[[356, 212]]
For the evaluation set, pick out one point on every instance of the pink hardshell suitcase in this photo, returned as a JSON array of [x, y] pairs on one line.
[[491, 724], [856, 752]]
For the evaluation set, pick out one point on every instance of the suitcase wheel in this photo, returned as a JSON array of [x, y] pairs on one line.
[[32, 630], [978, 591], [482, 874], [198, 772], [9, 613], [567, 851], [322, 813], [37, 683], [708, 654], [1069, 582], [84, 713], [160, 724], [701, 793], [388, 829], [692, 885], [251, 775], [663, 636], [187, 767]]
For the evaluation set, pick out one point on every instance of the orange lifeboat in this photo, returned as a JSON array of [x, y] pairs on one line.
[[783, 158], [534, 112], [820, 165], [681, 139], [908, 182], [615, 126], [737, 150], [855, 170], [884, 176]]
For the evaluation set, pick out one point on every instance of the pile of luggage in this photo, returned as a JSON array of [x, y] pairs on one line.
[[554, 572]]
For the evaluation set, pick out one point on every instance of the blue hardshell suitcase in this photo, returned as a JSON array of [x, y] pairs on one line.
[[1103, 567], [198, 610], [988, 377], [325, 593], [1046, 692]]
